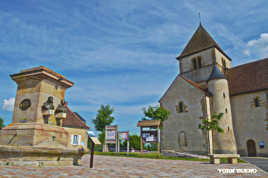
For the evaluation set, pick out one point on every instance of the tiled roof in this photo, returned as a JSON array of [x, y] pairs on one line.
[[216, 73], [196, 85], [72, 120], [149, 123], [248, 77], [201, 40], [80, 117]]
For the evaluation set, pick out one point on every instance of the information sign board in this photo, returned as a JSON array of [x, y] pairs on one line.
[[111, 134], [123, 136]]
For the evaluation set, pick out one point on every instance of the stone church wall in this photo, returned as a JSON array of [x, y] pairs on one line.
[[250, 122], [201, 74], [181, 131]]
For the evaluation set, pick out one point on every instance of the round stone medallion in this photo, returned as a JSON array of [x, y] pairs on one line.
[[25, 104]]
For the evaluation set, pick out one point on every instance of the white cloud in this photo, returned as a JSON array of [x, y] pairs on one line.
[[262, 40], [8, 104], [258, 47], [247, 52]]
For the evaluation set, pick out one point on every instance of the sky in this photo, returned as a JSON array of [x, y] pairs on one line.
[[120, 52]]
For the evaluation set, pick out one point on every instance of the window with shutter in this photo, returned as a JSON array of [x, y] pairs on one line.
[[75, 139]]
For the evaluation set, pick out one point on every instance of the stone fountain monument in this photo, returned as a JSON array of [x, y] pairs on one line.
[[36, 136]]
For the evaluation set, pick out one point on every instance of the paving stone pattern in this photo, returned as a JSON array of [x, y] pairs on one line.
[[117, 167]]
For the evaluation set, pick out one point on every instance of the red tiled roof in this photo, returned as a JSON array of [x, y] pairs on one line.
[[248, 77], [73, 121]]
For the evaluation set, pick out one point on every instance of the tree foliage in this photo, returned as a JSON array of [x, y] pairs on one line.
[[101, 137], [213, 124], [134, 141], [155, 113], [103, 118], [1, 123]]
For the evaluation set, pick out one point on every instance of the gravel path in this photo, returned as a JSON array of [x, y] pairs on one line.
[[116, 167]]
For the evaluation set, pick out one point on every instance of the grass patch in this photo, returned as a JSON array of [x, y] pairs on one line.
[[225, 160], [157, 156], [147, 155]]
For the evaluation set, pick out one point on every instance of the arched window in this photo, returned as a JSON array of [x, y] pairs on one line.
[[194, 63], [183, 139], [180, 107], [199, 61], [257, 102], [223, 64]]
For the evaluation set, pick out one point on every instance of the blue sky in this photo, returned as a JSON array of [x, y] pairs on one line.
[[119, 52]]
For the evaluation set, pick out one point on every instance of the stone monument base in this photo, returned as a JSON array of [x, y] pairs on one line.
[[38, 156]]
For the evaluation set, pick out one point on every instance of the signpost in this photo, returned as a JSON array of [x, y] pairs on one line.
[[149, 132], [94, 141], [111, 136], [124, 136]]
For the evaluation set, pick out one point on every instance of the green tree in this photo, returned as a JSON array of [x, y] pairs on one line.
[[134, 142], [101, 137], [103, 118], [1, 123], [211, 125], [155, 113]]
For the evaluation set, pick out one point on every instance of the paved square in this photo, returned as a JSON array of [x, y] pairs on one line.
[[115, 167]]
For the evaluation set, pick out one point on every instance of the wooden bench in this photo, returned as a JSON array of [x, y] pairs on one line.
[[216, 158]]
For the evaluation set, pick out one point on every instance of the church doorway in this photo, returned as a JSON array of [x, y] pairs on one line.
[[251, 146]]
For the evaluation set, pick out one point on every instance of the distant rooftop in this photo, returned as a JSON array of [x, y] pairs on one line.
[[73, 120]]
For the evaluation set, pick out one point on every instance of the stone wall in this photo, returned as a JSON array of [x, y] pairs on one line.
[[222, 142], [27, 89], [250, 122], [84, 138], [38, 92], [181, 130], [201, 74], [219, 57]]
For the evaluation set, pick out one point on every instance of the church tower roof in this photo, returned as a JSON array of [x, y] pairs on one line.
[[201, 40], [216, 74]]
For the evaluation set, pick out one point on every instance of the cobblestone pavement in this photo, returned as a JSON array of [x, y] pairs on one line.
[[116, 167], [261, 162]]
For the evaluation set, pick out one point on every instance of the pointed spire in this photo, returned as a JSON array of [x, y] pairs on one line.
[[201, 40], [216, 73], [199, 15]]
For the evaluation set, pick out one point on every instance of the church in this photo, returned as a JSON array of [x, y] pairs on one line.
[[207, 84]]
